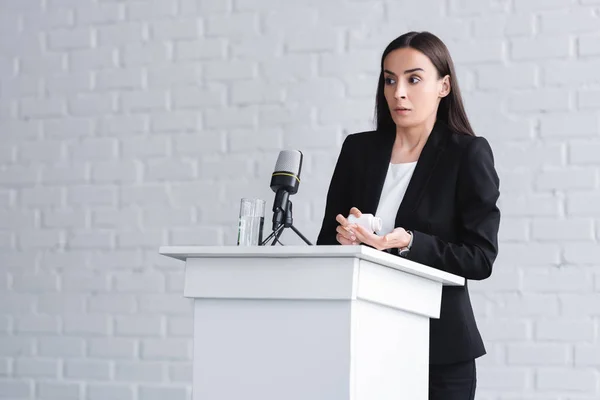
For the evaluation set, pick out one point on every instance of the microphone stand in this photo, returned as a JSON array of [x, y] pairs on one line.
[[288, 223]]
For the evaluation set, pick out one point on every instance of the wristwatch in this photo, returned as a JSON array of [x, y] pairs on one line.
[[403, 252]]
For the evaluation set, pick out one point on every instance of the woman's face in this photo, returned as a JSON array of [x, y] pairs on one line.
[[412, 87]]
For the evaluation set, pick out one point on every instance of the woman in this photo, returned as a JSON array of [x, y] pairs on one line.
[[433, 182]]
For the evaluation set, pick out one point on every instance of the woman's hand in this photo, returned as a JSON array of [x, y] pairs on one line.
[[396, 239], [345, 235]]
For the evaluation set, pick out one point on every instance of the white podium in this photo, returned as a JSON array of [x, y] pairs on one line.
[[309, 322]]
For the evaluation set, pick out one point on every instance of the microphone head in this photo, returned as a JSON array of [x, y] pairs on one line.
[[287, 171]]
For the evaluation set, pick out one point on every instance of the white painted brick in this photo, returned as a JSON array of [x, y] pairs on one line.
[[38, 283], [580, 305], [42, 196], [143, 54], [36, 64], [60, 303], [144, 146], [87, 369], [566, 380], [587, 355], [539, 205], [180, 29], [84, 282], [316, 91], [175, 75], [540, 47], [93, 59], [200, 236], [552, 280], [93, 149], [115, 171], [120, 34], [140, 239], [119, 79], [151, 10], [67, 39], [166, 349], [198, 98], [111, 303], [121, 259], [169, 170], [256, 49], [180, 372], [67, 127], [546, 100], [109, 391], [231, 118], [42, 108], [175, 282], [244, 140], [16, 389], [582, 253], [87, 105], [42, 151], [38, 239], [480, 51], [67, 84], [538, 354], [132, 101], [562, 230], [88, 325], [145, 195], [60, 347], [159, 393], [232, 25], [517, 181], [564, 330], [47, 19], [98, 14], [168, 303], [294, 67], [123, 125], [500, 330], [320, 39], [91, 195], [22, 86], [139, 371], [569, 21], [21, 130], [33, 324], [116, 218], [36, 368], [58, 390], [569, 124], [207, 142], [540, 5], [584, 152], [496, 26], [112, 348], [588, 99], [139, 283], [13, 303], [138, 326], [566, 179], [13, 346], [570, 73], [583, 204], [202, 49], [175, 121], [180, 327], [503, 379], [589, 45], [64, 261], [11, 218], [155, 218], [65, 174], [89, 240], [230, 70], [519, 76], [526, 305]]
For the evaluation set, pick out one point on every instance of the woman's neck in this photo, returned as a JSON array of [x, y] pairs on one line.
[[410, 141]]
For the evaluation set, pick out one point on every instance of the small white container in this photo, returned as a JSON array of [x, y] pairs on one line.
[[367, 221]]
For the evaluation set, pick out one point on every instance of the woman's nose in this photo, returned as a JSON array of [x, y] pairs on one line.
[[400, 92]]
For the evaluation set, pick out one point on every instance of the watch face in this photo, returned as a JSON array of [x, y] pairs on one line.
[[403, 252]]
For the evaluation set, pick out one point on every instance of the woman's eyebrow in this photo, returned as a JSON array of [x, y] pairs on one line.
[[408, 71]]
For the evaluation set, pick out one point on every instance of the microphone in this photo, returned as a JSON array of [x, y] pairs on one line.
[[285, 182]]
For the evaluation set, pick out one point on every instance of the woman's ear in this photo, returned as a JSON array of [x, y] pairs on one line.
[[445, 86]]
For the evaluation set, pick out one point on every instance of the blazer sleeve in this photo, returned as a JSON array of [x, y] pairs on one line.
[[338, 200], [479, 218]]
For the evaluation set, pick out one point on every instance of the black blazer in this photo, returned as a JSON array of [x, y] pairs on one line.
[[449, 205]]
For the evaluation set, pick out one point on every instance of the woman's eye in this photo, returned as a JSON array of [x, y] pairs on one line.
[[413, 79], [389, 81]]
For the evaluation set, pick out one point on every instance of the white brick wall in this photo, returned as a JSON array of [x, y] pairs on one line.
[[130, 125]]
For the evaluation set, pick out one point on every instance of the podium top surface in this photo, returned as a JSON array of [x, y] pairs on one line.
[[359, 252]]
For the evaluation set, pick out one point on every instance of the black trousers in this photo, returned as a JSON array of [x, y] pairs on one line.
[[453, 381]]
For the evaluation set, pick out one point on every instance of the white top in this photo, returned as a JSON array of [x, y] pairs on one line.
[[396, 181]]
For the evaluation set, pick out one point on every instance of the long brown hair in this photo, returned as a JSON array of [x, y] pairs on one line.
[[451, 109]]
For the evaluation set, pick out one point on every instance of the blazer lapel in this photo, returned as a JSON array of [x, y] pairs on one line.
[[376, 171], [423, 170]]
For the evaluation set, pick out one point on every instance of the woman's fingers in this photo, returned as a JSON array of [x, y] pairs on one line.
[[346, 233], [356, 212]]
